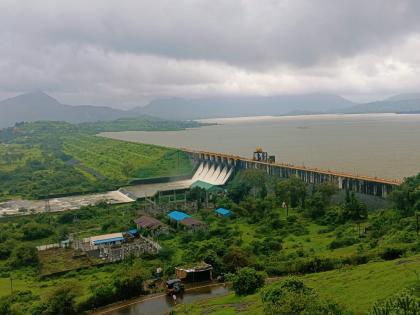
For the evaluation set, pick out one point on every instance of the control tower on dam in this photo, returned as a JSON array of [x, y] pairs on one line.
[[361, 184]]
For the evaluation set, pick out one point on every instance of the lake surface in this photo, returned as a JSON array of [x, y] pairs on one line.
[[383, 145]]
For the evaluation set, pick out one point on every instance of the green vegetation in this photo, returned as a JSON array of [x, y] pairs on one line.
[[355, 289], [247, 281], [54, 158], [345, 255]]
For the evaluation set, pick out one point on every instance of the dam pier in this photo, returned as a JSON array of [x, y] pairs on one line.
[[361, 184]]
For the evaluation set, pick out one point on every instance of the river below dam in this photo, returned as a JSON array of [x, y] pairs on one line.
[[382, 145], [161, 303]]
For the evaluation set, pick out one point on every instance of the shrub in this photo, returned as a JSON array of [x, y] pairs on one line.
[[23, 256], [34, 231], [247, 281], [391, 253], [292, 296], [342, 242], [404, 303], [62, 301]]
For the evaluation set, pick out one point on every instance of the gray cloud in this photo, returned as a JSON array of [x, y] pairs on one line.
[[128, 52]]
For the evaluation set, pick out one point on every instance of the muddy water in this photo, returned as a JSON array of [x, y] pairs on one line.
[[383, 145], [158, 305]]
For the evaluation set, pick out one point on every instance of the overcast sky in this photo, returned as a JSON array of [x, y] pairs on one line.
[[124, 53]]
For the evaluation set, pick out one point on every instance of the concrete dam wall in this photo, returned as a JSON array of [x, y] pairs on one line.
[[362, 184]]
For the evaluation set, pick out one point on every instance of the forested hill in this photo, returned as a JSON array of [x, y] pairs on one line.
[[42, 159]]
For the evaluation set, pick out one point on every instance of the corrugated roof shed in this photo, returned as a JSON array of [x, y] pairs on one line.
[[191, 222], [178, 215], [147, 222], [224, 212]]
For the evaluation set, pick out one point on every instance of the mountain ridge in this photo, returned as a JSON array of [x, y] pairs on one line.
[[38, 105]]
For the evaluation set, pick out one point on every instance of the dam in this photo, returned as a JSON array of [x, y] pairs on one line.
[[361, 184], [212, 168]]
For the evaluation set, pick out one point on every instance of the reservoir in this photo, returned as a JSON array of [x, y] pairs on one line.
[[382, 145]]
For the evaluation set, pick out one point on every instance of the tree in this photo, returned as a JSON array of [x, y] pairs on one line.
[[62, 301], [353, 209], [235, 258], [292, 191], [238, 191], [34, 231], [129, 283], [316, 205], [24, 255], [247, 280], [406, 197]]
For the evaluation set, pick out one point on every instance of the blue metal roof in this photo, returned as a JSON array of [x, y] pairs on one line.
[[223, 211], [178, 215], [133, 231], [108, 240]]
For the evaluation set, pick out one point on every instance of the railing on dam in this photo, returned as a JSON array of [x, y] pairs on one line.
[[361, 184]]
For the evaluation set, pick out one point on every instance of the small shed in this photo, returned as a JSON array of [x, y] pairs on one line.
[[192, 224], [198, 272], [150, 224], [178, 216], [222, 212]]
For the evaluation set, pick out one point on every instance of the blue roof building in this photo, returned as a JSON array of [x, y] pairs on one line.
[[113, 238], [223, 212], [178, 215]]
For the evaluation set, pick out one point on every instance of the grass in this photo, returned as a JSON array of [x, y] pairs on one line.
[[60, 260], [120, 160], [357, 288]]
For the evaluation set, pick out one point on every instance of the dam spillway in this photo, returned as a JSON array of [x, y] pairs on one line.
[[361, 184], [212, 173]]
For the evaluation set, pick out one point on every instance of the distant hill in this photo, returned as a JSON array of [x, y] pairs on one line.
[[40, 106], [395, 104], [37, 106], [182, 109], [404, 97]]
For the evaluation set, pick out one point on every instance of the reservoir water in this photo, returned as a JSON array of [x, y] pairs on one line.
[[382, 145]]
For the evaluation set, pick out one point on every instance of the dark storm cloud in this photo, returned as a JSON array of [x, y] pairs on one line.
[[126, 51]]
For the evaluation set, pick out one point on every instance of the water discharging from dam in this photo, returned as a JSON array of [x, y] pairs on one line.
[[212, 174]]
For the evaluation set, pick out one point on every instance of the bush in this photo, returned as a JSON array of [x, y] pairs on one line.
[[404, 303], [23, 256], [235, 258], [34, 231], [392, 253], [292, 296], [247, 281], [62, 301], [102, 295], [342, 242], [128, 284]]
